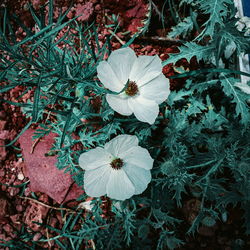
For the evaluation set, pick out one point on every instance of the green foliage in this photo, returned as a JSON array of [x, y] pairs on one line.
[[199, 145], [238, 97], [190, 50], [183, 28], [217, 10]]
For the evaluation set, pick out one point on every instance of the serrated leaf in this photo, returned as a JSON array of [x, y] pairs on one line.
[[182, 28], [195, 107], [177, 96], [239, 98], [190, 50], [217, 11]]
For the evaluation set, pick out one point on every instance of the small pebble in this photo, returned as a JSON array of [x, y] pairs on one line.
[[37, 236], [13, 191], [2, 173], [20, 176], [19, 208]]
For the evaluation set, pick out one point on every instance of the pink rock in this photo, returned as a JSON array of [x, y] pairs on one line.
[[7, 228], [13, 191], [16, 218], [37, 213], [2, 172], [85, 11], [3, 152], [42, 171], [74, 192], [37, 236], [4, 134], [2, 125], [4, 207]]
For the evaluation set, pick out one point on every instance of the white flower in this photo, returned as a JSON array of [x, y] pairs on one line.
[[120, 169], [146, 86]]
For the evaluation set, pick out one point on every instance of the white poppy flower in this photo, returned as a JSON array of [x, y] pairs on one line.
[[146, 86], [120, 169]]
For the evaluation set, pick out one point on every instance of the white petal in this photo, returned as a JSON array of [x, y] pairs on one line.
[[108, 77], [95, 181], [145, 69], [89, 160], [138, 156], [121, 61], [157, 89], [119, 104], [120, 144], [145, 110], [138, 176], [119, 186]]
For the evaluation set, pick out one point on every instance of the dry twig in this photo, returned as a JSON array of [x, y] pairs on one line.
[[48, 206]]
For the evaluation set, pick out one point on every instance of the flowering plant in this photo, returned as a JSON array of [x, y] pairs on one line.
[[158, 165], [138, 81], [120, 169]]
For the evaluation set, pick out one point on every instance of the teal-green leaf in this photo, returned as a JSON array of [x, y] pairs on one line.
[[190, 50], [238, 97]]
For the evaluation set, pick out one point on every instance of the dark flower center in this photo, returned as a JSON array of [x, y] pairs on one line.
[[117, 163], [132, 89]]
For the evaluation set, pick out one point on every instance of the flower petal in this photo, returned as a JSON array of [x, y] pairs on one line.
[[157, 89], [139, 157], [145, 69], [95, 181], [119, 104], [89, 160], [108, 77], [119, 186], [121, 61], [120, 144], [145, 110], [138, 176]]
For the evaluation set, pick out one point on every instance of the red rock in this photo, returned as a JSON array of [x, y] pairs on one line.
[[4, 134], [53, 222], [13, 191], [41, 170], [4, 205], [16, 219], [12, 134], [85, 11], [8, 228], [2, 114], [19, 208], [4, 238], [74, 192], [2, 125], [37, 236], [35, 213], [2, 172], [3, 152]]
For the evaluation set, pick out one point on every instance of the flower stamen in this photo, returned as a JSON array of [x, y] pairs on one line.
[[132, 89], [117, 164]]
